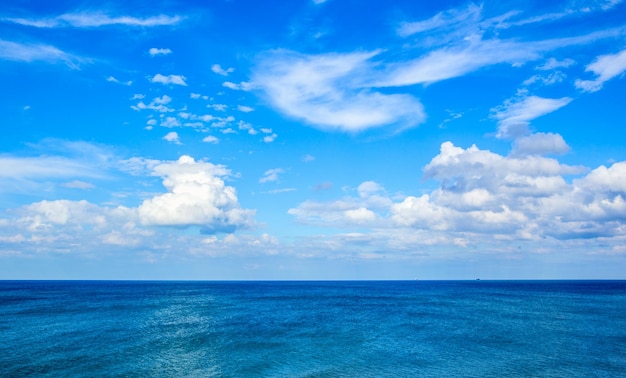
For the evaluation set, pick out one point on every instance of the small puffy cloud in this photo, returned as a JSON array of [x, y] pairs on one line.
[[138, 96], [605, 67], [270, 138], [245, 109], [220, 71], [158, 104], [195, 96], [211, 139], [169, 79], [197, 196], [515, 115], [271, 175], [170, 122], [172, 137], [308, 158], [155, 51]]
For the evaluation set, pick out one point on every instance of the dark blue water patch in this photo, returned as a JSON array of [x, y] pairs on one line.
[[316, 329]]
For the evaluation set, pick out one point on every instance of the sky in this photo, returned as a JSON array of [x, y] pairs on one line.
[[312, 139]]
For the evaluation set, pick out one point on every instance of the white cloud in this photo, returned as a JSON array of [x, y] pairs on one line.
[[360, 215], [447, 20], [486, 196], [270, 138], [308, 158], [45, 167], [368, 208], [195, 96], [540, 144], [34, 52], [515, 114], [220, 71], [158, 104], [328, 91], [155, 51], [450, 62], [552, 64], [170, 122], [605, 67], [172, 137], [112, 79], [197, 196], [245, 109], [169, 79], [96, 19], [77, 184], [218, 107], [211, 139], [271, 175], [231, 85]]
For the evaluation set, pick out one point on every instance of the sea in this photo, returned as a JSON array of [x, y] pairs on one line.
[[313, 329]]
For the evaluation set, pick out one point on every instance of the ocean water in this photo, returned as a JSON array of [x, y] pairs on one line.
[[313, 329]]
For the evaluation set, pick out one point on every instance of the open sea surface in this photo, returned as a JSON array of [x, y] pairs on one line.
[[313, 329]]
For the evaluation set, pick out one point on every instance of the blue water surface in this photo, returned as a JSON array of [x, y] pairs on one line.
[[313, 329]]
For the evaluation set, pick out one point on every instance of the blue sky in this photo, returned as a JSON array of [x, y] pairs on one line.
[[312, 140]]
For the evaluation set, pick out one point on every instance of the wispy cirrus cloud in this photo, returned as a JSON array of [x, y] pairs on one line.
[[606, 67], [328, 91], [95, 19], [515, 114], [37, 52], [221, 71]]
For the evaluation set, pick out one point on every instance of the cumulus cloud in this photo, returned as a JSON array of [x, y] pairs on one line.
[[169, 79], [95, 19], [521, 197], [486, 195], [155, 51], [270, 138], [172, 137], [211, 139], [197, 196], [158, 104], [327, 91], [368, 207], [606, 67]]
